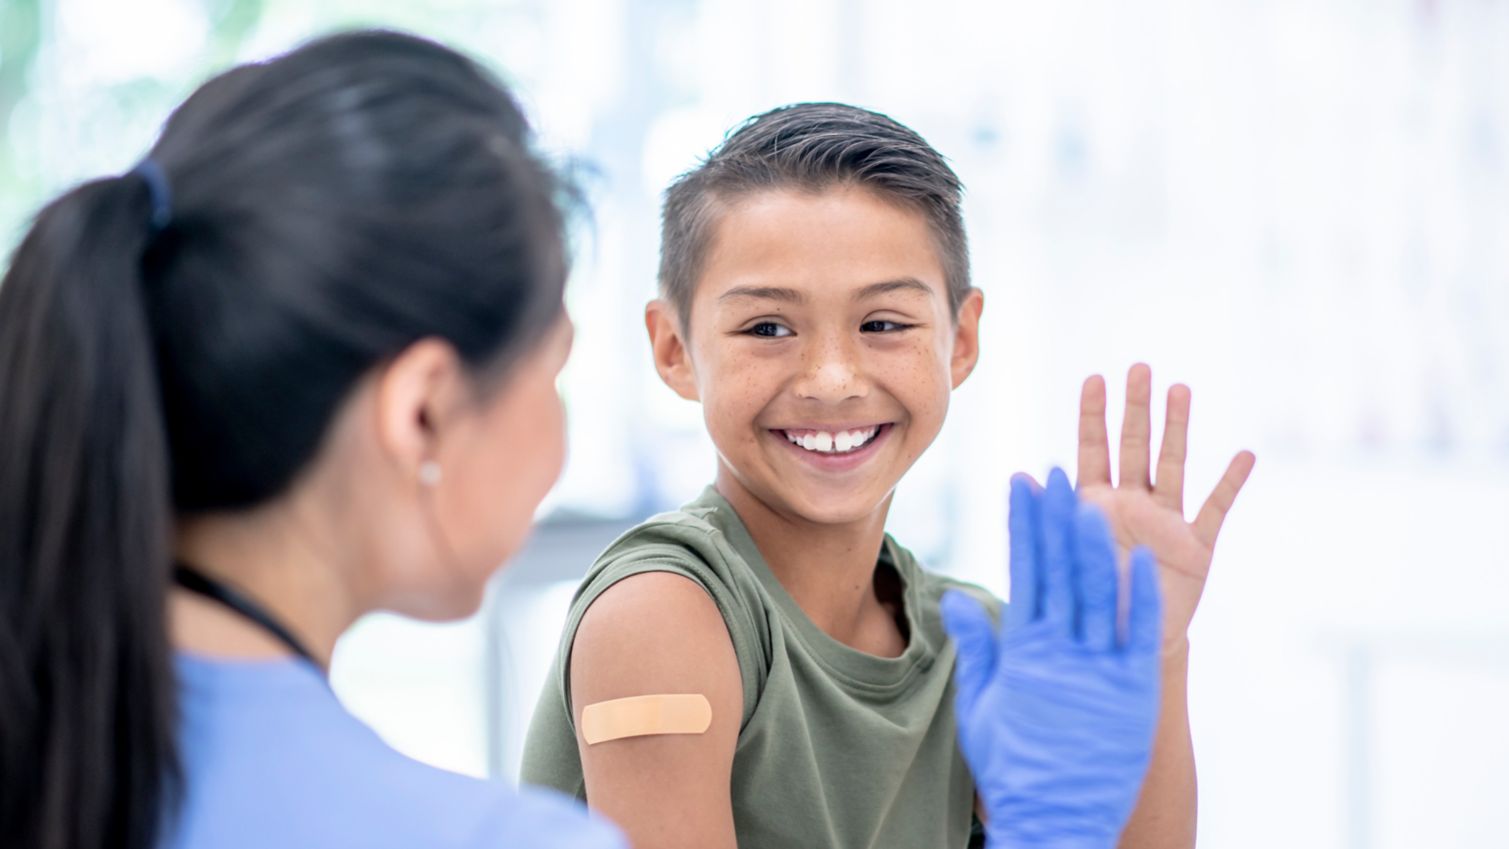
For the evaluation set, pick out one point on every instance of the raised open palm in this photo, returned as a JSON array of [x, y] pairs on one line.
[[1145, 512]]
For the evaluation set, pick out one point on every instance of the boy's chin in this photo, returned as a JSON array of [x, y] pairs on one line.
[[826, 509], [795, 495]]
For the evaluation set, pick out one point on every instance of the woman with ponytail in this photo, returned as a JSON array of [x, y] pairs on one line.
[[297, 366]]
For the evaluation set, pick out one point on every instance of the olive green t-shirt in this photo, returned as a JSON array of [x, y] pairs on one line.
[[837, 748]]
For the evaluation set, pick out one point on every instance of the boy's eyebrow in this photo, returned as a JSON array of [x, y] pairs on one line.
[[781, 293], [888, 286], [769, 293]]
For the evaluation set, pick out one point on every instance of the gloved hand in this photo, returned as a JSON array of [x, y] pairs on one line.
[[1056, 713]]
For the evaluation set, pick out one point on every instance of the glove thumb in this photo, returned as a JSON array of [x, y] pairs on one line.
[[968, 625]]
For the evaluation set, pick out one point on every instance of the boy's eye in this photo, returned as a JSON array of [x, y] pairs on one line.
[[770, 330], [881, 326]]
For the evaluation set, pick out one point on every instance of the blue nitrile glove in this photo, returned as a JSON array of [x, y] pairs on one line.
[[1056, 713]]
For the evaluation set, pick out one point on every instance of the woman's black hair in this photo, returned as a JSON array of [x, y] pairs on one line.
[[317, 214]]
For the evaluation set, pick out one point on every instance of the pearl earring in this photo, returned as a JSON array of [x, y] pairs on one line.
[[429, 473]]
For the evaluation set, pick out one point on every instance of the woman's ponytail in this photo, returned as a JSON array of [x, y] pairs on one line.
[[87, 754], [328, 208]]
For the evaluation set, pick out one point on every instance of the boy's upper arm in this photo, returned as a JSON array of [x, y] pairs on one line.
[[660, 633]]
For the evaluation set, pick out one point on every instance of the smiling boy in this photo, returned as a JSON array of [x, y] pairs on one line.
[[816, 301]]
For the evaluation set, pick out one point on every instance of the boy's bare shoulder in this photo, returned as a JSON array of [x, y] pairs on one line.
[[651, 632], [659, 633], [655, 602], [673, 588], [655, 613]]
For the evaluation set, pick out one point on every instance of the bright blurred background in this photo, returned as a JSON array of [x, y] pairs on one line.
[[1298, 207]]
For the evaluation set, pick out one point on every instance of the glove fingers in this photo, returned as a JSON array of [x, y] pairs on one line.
[[968, 625], [1022, 524], [1095, 579], [1056, 568], [1146, 619]]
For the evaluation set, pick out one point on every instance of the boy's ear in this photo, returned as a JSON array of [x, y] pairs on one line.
[[967, 336], [666, 345]]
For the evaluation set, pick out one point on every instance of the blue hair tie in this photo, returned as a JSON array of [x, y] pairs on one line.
[[157, 186]]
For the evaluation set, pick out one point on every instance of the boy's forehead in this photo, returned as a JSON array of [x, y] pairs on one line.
[[843, 240]]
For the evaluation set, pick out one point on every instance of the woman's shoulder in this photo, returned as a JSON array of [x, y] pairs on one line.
[[271, 757], [544, 819], [404, 802]]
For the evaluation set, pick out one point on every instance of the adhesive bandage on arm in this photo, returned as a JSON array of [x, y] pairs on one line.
[[642, 716]]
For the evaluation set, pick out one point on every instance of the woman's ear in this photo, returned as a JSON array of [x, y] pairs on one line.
[[416, 393], [967, 336], [672, 360]]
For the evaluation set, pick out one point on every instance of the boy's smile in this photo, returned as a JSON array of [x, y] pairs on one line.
[[822, 346], [835, 449]]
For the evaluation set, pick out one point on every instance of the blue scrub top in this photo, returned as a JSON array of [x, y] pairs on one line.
[[271, 758]]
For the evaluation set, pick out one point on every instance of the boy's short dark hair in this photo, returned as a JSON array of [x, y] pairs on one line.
[[811, 146]]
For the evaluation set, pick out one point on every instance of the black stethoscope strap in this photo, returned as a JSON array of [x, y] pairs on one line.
[[199, 583]]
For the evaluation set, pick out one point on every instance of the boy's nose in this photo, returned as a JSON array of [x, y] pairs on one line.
[[831, 374]]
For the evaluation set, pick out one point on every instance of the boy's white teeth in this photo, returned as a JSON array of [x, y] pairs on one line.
[[834, 442]]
